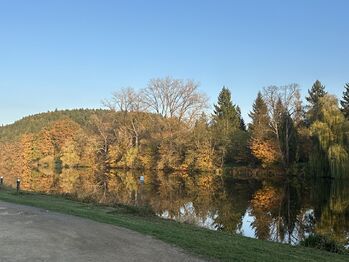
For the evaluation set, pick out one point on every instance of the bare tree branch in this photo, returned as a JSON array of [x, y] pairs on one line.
[[174, 98]]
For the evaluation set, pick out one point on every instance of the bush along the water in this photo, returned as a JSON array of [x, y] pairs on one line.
[[324, 243]]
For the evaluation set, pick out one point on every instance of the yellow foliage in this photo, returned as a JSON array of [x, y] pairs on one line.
[[206, 181], [146, 160], [70, 155], [129, 157], [264, 151], [266, 198]]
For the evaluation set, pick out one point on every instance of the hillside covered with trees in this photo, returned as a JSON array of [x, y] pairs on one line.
[[166, 126]]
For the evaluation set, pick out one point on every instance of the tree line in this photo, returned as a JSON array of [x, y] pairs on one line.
[[166, 126]]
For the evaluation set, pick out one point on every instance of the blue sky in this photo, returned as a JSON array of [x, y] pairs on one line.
[[72, 54]]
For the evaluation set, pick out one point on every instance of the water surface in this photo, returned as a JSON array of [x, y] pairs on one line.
[[283, 210]]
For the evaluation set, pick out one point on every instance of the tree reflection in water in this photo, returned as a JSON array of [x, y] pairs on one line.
[[282, 211]]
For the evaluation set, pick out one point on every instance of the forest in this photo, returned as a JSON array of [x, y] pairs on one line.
[[167, 126]]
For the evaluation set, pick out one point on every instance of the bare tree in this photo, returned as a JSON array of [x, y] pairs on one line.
[[124, 100], [174, 98], [288, 97], [271, 97], [283, 101], [104, 131]]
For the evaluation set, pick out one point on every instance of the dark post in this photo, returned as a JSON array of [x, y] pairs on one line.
[[1, 181], [18, 184]]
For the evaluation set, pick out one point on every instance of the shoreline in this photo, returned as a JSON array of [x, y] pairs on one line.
[[198, 241]]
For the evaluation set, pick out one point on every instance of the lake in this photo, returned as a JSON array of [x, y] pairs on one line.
[[281, 210]]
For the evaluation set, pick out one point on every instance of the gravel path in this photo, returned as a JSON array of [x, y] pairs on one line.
[[33, 234]]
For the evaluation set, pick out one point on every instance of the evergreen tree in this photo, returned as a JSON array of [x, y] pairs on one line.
[[261, 142], [315, 93], [259, 126], [345, 101], [225, 110], [226, 121], [242, 122]]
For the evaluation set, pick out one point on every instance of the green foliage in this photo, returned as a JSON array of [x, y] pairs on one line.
[[242, 122], [339, 159], [259, 127], [329, 134], [345, 101], [240, 149], [226, 120], [316, 92], [226, 111], [36, 123]]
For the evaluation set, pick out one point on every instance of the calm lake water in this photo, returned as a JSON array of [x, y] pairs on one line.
[[283, 210]]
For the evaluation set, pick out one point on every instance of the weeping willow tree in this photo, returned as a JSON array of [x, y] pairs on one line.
[[333, 219], [330, 152]]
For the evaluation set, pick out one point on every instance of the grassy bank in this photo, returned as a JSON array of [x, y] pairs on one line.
[[206, 243]]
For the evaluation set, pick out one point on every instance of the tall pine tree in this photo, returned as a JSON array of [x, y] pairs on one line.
[[225, 112], [259, 127], [242, 122], [345, 101], [226, 121], [316, 92]]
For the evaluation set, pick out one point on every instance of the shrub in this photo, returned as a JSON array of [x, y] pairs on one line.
[[323, 243]]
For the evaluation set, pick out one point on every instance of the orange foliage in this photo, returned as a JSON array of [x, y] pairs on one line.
[[264, 151], [62, 131], [266, 198]]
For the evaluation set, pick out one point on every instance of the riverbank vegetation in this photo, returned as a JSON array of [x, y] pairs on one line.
[[166, 134], [166, 126], [216, 244]]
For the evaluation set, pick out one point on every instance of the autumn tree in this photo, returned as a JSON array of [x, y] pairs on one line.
[[104, 132], [173, 144], [260, 144], [61, 131], [27, 146], [263, 205], [200, 153]]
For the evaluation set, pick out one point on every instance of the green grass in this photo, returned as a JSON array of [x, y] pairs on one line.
[[199, 241]]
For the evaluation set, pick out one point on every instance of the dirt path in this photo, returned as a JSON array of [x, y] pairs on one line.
[[32, 234]]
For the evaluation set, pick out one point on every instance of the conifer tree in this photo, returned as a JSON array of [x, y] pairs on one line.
[[314, 94], [261, 145], [259, 126], [226, 121], [345, 101], [242, 122], [225, 111]]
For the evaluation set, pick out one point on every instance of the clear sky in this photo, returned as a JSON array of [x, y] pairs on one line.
[[72, 54]]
